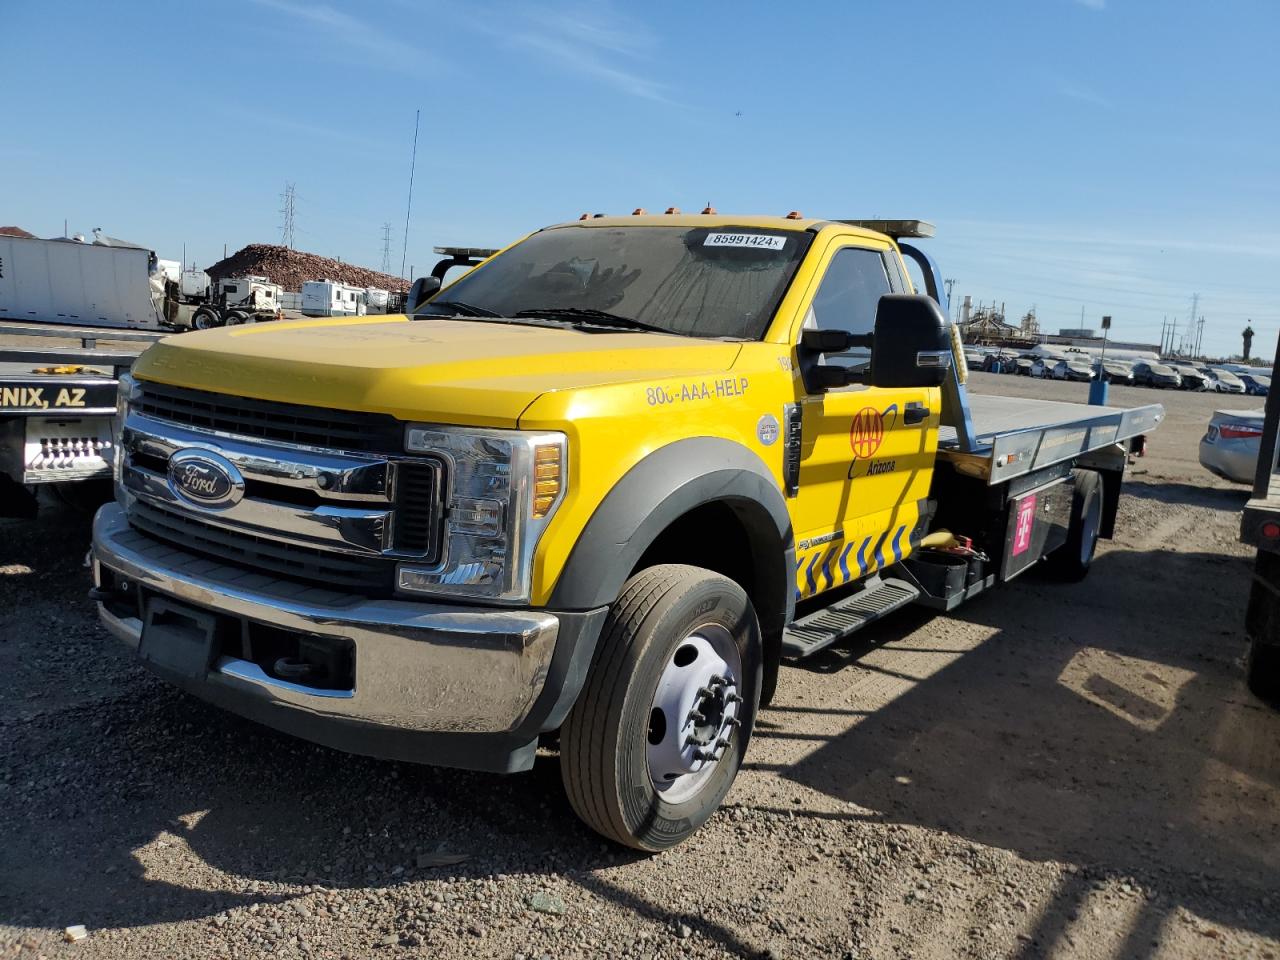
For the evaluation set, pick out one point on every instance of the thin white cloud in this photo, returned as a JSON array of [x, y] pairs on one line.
[[592, 41], [1074, 90], [378, 48]]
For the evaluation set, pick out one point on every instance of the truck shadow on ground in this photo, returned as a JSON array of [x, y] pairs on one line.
[[1104, 724]]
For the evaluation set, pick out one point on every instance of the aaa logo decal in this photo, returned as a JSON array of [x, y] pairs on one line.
[[867, 433]]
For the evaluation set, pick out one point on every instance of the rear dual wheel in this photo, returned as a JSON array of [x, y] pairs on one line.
[[659, 731]]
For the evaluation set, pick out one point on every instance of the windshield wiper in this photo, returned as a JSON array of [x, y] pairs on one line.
[[585, 315], [464, 309]]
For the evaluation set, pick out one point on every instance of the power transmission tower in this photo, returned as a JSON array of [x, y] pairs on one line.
[[949, 284], [386, 248], [289, 206]]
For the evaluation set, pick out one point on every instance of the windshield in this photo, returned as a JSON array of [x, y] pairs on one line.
[[700, 281]]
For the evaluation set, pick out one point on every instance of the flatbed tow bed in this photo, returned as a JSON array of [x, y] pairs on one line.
[[1013, 436]]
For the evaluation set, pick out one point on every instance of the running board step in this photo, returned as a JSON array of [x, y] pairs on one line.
[[824, 627]]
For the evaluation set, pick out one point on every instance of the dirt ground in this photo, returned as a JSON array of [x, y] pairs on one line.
[[1053, 771]]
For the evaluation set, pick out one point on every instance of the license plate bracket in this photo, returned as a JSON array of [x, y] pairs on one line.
[[177, 638]]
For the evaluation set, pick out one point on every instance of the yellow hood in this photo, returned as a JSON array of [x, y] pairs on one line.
[[450, 371]]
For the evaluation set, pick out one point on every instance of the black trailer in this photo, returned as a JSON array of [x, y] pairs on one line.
[[1261, 528]]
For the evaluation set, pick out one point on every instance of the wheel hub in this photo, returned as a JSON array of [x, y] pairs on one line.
[[695, 710]]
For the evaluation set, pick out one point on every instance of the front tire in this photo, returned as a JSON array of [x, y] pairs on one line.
[[205, 319], [658, 734]]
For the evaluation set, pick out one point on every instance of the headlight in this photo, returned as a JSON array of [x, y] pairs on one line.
[[503, 489]]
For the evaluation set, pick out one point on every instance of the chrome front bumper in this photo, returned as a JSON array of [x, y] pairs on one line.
[[419, 667]]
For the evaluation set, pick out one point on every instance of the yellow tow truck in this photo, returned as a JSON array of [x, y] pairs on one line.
[[602, 484]]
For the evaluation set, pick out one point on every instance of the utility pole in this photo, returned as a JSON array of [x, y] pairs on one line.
[[386, 248], [1199, 335], [288, 200], [949, 284]]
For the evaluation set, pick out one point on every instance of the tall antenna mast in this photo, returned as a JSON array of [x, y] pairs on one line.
[[288, 208], [386, 248], [404, 251]]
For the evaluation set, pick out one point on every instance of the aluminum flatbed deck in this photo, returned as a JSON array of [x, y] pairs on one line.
[[1013, 435]]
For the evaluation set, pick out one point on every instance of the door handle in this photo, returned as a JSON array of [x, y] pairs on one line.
[[914, 413]]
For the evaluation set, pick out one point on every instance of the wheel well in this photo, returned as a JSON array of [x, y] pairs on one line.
[[738, 540]]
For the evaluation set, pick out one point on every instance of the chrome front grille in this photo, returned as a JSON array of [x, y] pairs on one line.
[[338, 517]]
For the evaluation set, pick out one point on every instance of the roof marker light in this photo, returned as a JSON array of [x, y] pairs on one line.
[[673, 209], [709, 208], [795, 215], [585, 216], [639, 212]]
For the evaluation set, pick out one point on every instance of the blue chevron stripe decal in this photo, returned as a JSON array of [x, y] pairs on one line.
[[897, 544], [862, 557], [808, 573], [844, 563]]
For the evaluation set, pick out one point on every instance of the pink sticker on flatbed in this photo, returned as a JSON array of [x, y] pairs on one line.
[[1026, 520]]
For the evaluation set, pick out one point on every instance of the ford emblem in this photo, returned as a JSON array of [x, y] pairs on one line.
[[205, 478]]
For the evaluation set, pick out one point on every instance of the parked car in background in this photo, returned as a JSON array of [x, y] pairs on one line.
[[1224, 381], [1114, 371], [1230, 445], [1256, 384], [1022, 366], [999, 363], [1072, 370], [1192, 379], [1155, 375]]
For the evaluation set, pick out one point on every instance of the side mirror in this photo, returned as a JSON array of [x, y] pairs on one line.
[[912, 343], [815, 343], [423, 289]]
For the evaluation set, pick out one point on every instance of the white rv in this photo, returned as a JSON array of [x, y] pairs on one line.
[[329, 298]]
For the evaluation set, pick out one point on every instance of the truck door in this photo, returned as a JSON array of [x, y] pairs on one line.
[[866, 452]]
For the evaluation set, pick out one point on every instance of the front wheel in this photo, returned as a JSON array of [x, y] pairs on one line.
[[205, 319], [658, 734]]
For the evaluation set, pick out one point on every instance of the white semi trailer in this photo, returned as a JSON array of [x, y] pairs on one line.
[[86, 284]]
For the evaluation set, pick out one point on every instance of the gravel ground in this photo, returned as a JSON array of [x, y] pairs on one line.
[[1052, 771]]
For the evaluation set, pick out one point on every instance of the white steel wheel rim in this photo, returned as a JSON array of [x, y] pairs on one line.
[[1089, 524], [695, 710]]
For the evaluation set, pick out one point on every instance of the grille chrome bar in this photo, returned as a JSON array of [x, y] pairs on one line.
[[333, 476], [340, 529]]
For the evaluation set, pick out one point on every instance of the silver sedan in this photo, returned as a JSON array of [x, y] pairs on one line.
[[1230, 446]]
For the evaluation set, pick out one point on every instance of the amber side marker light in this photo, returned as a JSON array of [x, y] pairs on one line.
[[547, 476], [795, 215]]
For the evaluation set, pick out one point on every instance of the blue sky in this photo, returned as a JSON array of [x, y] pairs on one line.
[[1111, 155]]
